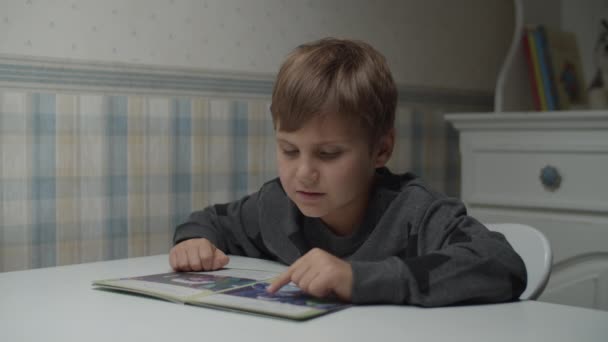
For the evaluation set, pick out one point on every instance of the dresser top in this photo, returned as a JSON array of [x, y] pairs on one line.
[[582, 119]]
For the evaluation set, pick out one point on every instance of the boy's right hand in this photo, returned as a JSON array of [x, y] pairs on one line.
[[196, 255]]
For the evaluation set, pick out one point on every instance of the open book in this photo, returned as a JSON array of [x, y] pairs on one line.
[[229, 289]]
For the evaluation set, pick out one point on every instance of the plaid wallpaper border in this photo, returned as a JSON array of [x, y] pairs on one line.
[[107, 169], [96, 177], [37, 73]]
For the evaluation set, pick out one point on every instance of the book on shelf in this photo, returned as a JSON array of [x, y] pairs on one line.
[[533, 74], [555, 69], [543, 63], [240, 290], [548, 76], [535, 69]]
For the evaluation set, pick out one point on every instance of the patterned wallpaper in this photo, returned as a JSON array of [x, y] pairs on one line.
[[89, 176], [117, 118], [428, 43]]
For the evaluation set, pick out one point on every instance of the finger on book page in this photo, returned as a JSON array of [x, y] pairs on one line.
[[280, 281]]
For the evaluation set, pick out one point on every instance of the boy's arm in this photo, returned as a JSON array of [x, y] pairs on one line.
[[451, 258], [232, 227]]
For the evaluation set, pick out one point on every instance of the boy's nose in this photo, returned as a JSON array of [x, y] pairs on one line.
[[307, 174]]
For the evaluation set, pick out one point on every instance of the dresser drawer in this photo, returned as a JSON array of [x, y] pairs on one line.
[[502, 158], [579, 275], [550, 176], [574, 238]]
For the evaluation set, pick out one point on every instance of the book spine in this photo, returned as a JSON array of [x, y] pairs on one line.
[[551, 69], [537, 75], [530, 62], [544, 69]]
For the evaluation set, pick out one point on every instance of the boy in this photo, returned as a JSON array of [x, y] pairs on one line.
[[348, 226]]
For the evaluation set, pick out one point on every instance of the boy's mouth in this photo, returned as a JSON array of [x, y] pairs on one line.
[[307, 195]]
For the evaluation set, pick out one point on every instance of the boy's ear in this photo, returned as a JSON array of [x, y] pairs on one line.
[[385, 148]]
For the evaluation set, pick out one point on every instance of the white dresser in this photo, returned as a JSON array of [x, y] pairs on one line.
[[548, 170]]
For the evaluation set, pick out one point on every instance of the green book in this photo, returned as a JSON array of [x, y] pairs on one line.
[[241, 290]]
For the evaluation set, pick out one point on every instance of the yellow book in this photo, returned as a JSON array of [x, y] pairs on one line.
[[536, 66], [565, 62]]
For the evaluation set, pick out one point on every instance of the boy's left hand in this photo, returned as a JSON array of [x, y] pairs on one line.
[[318, 273]]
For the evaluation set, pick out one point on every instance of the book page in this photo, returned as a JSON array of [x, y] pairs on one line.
[[243, 273], [236, 289], [254, 305], [168, 291], [182, 285], [289, 301]]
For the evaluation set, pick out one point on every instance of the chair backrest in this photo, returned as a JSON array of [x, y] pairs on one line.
[[534, 249]]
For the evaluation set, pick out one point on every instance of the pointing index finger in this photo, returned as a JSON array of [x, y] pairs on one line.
[[280, 281]]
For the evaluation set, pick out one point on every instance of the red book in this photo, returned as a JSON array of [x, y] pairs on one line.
[[531, 72]]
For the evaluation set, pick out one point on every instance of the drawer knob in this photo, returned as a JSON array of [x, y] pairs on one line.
[[550, 178]]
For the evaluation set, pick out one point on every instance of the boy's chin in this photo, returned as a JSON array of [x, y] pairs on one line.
[[311, 212]]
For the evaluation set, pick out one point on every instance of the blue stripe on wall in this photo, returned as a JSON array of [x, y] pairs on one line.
[[117, 182], [181, 114], [452, 176], [44, 225], [206, 176], [417, 142], [240, 134]]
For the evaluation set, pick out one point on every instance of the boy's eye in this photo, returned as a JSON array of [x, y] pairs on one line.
[[290, 153], [329, 155]]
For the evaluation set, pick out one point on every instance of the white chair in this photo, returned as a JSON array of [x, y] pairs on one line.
[[534, 249]]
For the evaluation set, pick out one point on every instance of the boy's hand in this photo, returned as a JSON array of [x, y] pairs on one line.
[[318, 273], [196, 255]]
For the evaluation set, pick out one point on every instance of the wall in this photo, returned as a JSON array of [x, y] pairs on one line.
[[118, 118], [583, 18], [545, 12], [442, 44]]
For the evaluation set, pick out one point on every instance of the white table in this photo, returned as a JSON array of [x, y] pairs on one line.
[[59, 304]]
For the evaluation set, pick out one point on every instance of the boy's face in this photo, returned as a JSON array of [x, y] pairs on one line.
[[326, 167]]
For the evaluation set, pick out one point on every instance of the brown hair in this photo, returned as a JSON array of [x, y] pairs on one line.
[[335, 76]]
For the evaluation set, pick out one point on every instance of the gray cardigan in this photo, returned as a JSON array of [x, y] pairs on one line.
[[414, 246]]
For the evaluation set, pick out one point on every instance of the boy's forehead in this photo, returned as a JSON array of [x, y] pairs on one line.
[[332, 125]]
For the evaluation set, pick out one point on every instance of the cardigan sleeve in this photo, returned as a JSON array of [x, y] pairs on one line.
[[232, 227], [451, 258]]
